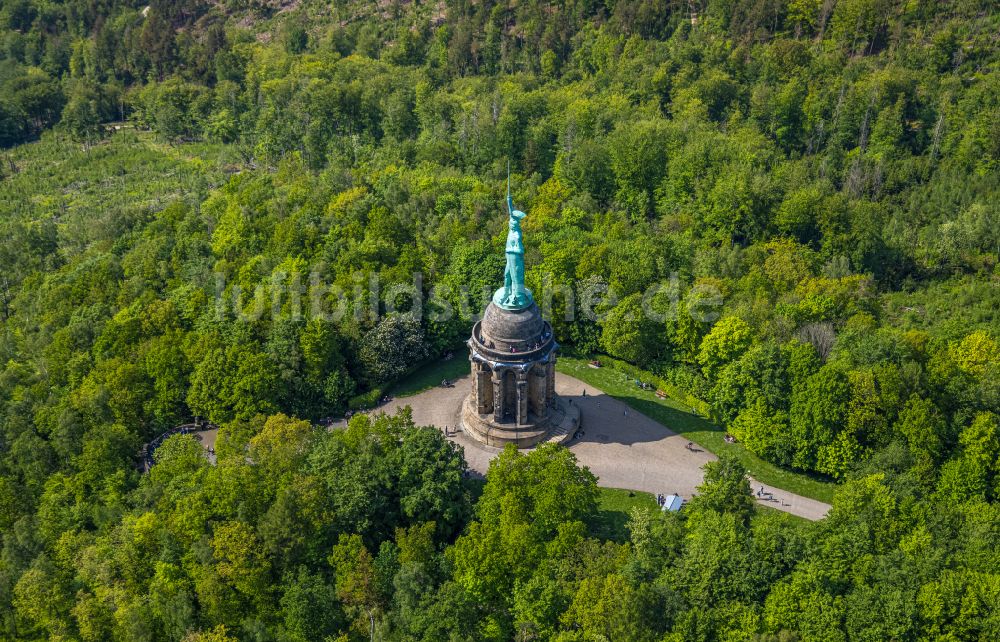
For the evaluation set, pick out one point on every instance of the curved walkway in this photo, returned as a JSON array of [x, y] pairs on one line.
[[623, 447], [204, 431]]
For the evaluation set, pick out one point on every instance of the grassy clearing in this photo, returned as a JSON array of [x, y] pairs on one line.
[[613, 508], [430, 375], [678, 416], [422, 378], [792, 520], [129, 170]]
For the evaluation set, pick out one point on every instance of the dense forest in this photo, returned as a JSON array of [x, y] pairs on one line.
[[207, 209]]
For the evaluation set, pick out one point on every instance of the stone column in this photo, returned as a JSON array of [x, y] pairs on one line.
[[550, 388], [539, 383], [476, 388], [484, 392], [498, 396], [522, 398]]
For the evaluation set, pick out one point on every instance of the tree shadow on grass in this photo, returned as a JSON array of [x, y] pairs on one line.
[[610, 522], [608, 418], [610, 525]]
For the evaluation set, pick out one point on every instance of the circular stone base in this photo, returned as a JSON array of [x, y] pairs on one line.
[[558, 427]]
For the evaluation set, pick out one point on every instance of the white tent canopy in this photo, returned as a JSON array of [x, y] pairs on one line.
[[673, 503]]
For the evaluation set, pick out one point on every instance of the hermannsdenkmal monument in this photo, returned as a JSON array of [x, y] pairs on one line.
[[513, 354]]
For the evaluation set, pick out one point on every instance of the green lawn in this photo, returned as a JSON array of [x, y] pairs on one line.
[[613, 508], [677, 416], [430, 375], [615, 504], [792, 520]]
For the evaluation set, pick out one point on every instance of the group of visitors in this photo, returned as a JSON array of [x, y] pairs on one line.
[[661, 499], [526, 347]]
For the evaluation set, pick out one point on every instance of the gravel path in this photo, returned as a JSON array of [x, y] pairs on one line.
[[623, 447]]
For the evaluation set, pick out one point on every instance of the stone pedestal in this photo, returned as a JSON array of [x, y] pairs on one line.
[[513, 398]]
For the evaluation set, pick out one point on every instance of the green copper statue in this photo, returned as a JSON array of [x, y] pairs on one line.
[[513, 295]]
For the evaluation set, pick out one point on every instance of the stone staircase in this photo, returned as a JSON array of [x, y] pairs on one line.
[[566, 421]]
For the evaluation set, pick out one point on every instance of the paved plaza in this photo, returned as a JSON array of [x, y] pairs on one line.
[[623, 447]]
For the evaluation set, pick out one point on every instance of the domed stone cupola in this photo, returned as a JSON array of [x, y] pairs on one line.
[[513, 356], [514, 331]]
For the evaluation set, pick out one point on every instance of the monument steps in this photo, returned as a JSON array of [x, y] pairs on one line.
[[559, 435]]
